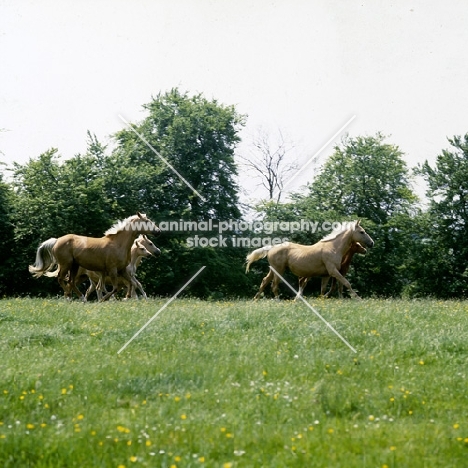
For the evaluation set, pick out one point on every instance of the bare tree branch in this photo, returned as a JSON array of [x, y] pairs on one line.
[[269, 161]]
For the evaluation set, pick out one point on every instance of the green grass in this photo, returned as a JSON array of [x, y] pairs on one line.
[[240, 384]]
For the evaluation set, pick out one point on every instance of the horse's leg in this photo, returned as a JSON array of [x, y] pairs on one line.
[[323, 286], [132, 284], [302, 284], [64, 283], [92, 287], [113, 276], [72, 280], [101, 286], [67, 290], [132, 287], [276, 281], [110, 293], [332, 287], [265, 282], [128, 285], [136, 284], [340, 290], [333, 271], [103, 289], [113, 291], [116, 276]]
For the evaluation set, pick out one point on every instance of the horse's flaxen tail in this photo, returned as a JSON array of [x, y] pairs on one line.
[[258, 254], [45, 259], [53, 274]]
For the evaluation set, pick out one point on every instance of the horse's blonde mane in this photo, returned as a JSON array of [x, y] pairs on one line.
[[337, 232], [120, 226]]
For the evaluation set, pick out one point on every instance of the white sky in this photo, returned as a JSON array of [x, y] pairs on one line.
[[302, 66]]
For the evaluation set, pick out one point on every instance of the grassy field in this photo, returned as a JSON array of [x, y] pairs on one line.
[[233, 384]]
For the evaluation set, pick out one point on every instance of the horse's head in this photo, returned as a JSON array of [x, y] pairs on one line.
[[148, 245], [361, 236], [140, 250], [356, 247], [144, 225]]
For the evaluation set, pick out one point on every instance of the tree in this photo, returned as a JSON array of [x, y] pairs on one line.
[[268, 161], [440, 263], [6, 237], [197, 138], [364, 177], [57, 197], [448, 186]]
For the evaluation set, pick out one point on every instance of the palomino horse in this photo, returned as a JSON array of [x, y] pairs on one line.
[[321, 259], [132, 267], [108, 255], [356, 247], [141, 248]]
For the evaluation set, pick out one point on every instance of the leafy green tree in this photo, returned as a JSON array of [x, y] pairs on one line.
[[6, 238], [197, 138], [440, 266], [448, 186], [58, 197], [364, 177]]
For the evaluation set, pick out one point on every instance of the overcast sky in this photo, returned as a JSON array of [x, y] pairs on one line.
[[304, 67]]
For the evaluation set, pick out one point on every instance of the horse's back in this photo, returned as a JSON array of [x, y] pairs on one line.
[[89, 252], [280, 251], [302, 260]]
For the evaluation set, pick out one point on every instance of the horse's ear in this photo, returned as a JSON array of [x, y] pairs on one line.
[[139, 214], [358, 222]]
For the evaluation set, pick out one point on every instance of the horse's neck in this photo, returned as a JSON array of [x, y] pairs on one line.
[[125, 240], [138, 262], [135, 261], [348, 257], [343, 243]]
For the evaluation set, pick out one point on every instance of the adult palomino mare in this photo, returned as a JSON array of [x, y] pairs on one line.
[[355, 248], [142, 248], [108, 255], [321, 259]]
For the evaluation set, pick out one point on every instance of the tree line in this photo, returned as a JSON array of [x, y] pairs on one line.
[[419, 250]]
